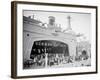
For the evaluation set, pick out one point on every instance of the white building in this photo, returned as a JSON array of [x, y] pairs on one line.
[[35, 34]]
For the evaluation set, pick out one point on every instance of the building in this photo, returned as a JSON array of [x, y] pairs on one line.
[[84, 49], [48, 45]]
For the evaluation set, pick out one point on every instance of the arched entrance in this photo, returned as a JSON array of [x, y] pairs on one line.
[[84, 52], [84, 55], [49, 52]]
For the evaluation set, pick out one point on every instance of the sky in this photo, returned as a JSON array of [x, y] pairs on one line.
[[80, 22]]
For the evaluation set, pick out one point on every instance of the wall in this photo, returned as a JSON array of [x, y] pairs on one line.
[[5, 40], [46, 34]]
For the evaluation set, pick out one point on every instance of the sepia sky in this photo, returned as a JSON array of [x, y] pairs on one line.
[[80, 22]]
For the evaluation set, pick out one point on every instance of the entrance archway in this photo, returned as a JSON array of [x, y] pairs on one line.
[[47, 50], [84, 52], [84, 55]]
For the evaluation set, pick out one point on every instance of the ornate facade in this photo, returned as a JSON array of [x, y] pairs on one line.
[[48, 41]]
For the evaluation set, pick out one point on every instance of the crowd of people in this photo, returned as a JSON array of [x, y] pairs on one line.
[[52, 59]]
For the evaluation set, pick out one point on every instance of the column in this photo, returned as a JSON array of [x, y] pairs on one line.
[[46, 59]]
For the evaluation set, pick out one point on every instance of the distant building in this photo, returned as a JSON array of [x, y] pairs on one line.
[[84, 49]]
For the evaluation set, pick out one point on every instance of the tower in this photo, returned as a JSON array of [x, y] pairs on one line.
[[51, 24], [69, 23], [51, 20]]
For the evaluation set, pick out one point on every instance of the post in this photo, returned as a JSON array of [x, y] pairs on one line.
[[46, 59]]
